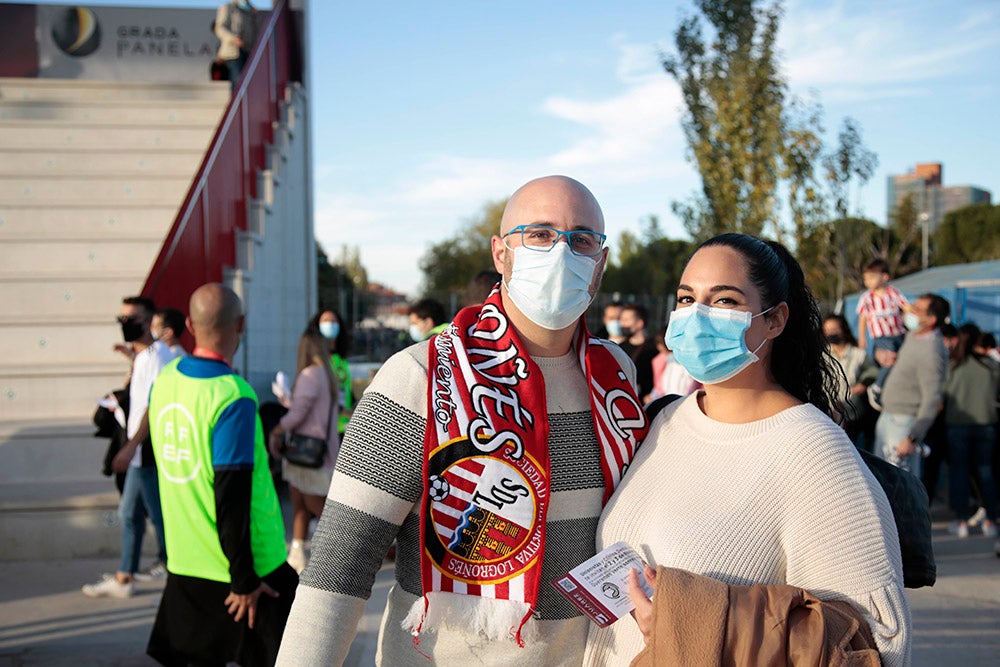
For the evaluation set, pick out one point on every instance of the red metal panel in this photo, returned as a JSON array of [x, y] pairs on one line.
[[201, 242]]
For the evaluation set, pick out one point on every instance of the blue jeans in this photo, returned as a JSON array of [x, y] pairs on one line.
[[235, 67], [140, 498], [970, 449], [890, 430]]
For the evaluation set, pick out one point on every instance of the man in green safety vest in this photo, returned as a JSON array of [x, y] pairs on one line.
[[228, 589]]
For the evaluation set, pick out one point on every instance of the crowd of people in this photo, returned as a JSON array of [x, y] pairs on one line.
[[508, 444]]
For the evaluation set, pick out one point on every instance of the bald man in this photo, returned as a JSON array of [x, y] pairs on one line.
[[479, 452], [229, 589]]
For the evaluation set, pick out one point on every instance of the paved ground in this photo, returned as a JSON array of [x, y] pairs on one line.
[[46, 620]]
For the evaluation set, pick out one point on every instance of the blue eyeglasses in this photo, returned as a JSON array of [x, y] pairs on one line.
[[542, 239]]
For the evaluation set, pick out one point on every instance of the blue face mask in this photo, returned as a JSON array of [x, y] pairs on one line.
[[330, 330], [709, 342]]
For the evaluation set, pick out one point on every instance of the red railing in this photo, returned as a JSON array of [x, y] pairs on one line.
[[202, 239]]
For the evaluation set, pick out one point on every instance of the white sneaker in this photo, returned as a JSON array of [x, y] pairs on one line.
[[109, 588], [989, 528], [962, 531], [155, 571], [297, 556], [875, 397], [978, 517]]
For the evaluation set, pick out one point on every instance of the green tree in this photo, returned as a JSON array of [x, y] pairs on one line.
[[734, 96], [830, 275], [342, 284], [970, 234], [803, 147], [850, 161], [449, 264], [901, 240], [649, 265]]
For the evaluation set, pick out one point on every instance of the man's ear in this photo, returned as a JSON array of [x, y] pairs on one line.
[[188, 325], [498, 249]]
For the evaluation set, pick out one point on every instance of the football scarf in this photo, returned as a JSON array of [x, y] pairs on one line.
[[486, 469]]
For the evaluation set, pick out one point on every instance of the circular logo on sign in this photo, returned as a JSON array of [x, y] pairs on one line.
[[173, 434], [76, 31]]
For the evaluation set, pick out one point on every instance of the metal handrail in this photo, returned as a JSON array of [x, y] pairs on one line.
[[202, 239]]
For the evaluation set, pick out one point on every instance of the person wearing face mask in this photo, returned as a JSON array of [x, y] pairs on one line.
[[638, 345], [328, 324], [140, 493], [747, 490], [236, 27], [912, 394], [487, 452], [612, 324], [859, 372], [167, 327], [427, 318]]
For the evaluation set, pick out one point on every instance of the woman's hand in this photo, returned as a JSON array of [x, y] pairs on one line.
[[643, 612], [276, 442]]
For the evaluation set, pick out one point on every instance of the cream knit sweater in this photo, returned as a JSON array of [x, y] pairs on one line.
[[374, 497], [783, 500]]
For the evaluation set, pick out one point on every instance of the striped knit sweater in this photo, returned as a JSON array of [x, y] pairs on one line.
[[783, 500], [374, 497]]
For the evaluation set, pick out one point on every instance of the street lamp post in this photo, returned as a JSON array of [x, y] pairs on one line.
[[925, 223]]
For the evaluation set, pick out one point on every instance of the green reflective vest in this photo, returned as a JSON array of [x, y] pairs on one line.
[[183, 413], [342, 372]]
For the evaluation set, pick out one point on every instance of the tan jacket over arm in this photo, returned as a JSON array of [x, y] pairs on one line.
[[702, 622]]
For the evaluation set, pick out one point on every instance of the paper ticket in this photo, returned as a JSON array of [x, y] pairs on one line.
[[599, 585]]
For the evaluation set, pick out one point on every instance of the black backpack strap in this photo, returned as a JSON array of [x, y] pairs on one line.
[[653, 407]]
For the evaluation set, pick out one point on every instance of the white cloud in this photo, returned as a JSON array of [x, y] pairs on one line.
[[880, 50], [630, 145]]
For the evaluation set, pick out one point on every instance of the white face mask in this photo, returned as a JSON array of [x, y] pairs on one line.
[[911, 321], [551, 288], [416, 334]]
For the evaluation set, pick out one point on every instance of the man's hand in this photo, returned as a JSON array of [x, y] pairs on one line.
[[906, 447], [885, 358], [246, 605], [124, 457], [643, 612]]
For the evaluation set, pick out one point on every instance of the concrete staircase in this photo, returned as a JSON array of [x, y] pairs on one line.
[[91, 177]]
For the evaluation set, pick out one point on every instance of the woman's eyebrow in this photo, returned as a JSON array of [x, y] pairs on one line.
[[716, 288]]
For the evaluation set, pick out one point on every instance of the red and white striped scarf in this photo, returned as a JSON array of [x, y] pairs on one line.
[[486, 469]]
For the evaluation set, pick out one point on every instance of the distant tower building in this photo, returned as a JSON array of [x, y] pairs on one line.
[[931, 199]]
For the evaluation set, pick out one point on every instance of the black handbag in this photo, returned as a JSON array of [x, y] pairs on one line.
[[307, 451], [910, 510]]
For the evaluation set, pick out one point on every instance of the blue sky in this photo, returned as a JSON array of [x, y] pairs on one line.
[[423, 112]]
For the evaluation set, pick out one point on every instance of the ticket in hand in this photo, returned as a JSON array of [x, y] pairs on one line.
[[599, 585]]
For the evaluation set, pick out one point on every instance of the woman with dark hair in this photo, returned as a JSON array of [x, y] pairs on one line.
[[859, 371], [330, 325], [312, 411], [970, 392], [748, 481]]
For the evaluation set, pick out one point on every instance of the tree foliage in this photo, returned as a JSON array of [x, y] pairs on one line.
[[850, 161], [901, 244], [650, 264], [734, 96], [803, 147], [449, 264], [970, 234], [342, 282], [833, 254]]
